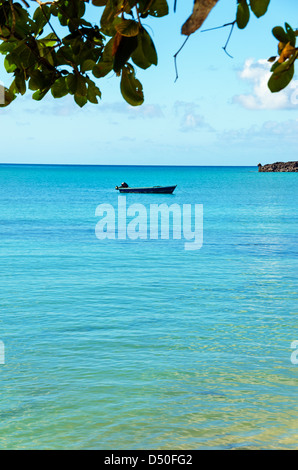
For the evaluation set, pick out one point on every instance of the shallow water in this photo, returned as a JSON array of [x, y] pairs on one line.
[[140, 344]]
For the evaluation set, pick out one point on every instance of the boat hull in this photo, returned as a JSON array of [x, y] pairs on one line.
[[152, 190]]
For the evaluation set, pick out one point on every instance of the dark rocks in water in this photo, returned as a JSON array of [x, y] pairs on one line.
[[279, 166]]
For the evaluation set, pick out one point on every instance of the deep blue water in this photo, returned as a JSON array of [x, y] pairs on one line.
[[140, 344]]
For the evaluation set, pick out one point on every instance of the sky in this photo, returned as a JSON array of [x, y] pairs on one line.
[[218, 112]]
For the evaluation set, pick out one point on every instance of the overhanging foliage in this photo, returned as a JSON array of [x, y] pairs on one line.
[[42, 60]]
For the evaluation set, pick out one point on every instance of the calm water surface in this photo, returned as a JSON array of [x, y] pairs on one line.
[[140, 344]]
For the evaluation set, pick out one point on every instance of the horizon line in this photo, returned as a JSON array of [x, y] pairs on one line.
[[127, 165]]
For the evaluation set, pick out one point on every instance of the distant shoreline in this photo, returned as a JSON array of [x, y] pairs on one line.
[[279, 167]]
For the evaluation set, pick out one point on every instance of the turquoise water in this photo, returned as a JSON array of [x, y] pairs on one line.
[[140, 344]]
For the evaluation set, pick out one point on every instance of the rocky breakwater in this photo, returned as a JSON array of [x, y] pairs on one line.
[[279, 166]]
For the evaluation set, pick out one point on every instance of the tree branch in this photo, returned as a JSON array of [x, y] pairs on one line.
[[13, 17], [26, 4], [44, 3]]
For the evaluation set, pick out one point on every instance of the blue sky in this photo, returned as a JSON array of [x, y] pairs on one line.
[[219, 111]]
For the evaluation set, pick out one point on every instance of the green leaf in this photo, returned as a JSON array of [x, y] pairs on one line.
[[65, 55], [13, 87], [105, 65], [128, 28], [108, 20], [7, 47], [125, 49], [290, 34], [81, 9], [242, 17], [158, 8], [39, 95], [5, 32], [99, 3], [54, 9], [41, 17], [107, 16], [48, 41], [131, 88], [6, 96], [87, 65], [9, 66], [81, 86], [259, 7], [17, 55], [93, 92], [63, 20], [278, 67], [80, 100], [280, 34], [59, 88], [37, 80], [20, 82], [26, 57], [102, 69], [281, 67], [278, 82], [71, 83], [145, 54], [274, 66]]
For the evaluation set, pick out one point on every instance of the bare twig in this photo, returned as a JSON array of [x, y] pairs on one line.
[[175, 57], [138, 16], [217, 27], [228, 40], [48, 21], [232, 24]]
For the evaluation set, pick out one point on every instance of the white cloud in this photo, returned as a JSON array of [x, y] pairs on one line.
[[150, 111], [257, 74], [190, 120], [146, 111], [280, 134]]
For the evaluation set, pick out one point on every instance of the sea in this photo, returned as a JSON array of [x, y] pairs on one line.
[[130, 344]]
